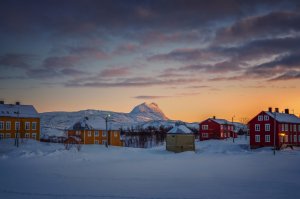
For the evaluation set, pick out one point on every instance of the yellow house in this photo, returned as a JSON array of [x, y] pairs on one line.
[[93, 132], [19, 120]]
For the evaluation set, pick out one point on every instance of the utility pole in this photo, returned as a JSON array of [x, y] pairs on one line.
[[232, 128], [106, 128]]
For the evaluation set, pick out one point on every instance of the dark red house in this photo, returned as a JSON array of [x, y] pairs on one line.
[[285, 127], [213, 128]]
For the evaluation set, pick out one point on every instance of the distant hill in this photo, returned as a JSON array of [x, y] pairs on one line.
[[143, 115]]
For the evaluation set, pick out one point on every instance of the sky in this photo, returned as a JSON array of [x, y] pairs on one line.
[[194, 58]]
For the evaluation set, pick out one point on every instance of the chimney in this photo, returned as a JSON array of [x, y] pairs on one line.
[[270, 109], [277, 110], [1, 101], [18, 103], [286, 111], [214, 117]]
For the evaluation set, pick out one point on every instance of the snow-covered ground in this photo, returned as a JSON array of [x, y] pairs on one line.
[[218, 169]]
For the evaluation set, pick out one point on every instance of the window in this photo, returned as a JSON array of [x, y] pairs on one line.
[[27, 125], [260, 118], [267, 127], [26, 135], [299, 138], [204, 135], [286, 127], [33, 135], [228, 134], [266, 118], [7, 135], [282, 127], [295, 138], [17, 135], [221, 126], [7, 125], [295, 128], [17, 125], [104, 133], [2, 125], [257, 138], [104, 142], [78, 133], [33, 125], [267, 138], [204, 127], [291, 127], [222, 135], [89, 133], [298, 128], [96, 142], [2, 136], [96, 133], [257, 127]]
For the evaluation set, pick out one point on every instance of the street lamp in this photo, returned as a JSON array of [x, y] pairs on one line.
[[274, 149]]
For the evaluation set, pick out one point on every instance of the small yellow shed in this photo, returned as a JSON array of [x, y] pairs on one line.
[[180, 139]]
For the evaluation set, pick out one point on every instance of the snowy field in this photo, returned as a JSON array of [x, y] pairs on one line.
[[218, 169]]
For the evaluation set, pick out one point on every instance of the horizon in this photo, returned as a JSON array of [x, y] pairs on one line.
[[195, 59]]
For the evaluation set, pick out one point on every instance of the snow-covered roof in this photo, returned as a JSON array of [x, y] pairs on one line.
[[221, 121], [181, 129], [284, 117], [92, 123], [22, 111]]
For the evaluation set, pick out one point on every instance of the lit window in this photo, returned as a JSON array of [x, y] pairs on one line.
[[33, 125], [267, 138], [266, 118], [17, 125], [267, 127], [7, 125], [257, 138], [27, 125], [115, 134], [257, 127], [2, 125], [104, 133], [89, 133], [96, 133], [260, 118]]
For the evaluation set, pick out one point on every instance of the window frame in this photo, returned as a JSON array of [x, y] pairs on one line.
[[1, 125], [260, 118], [27, 124], [257, 127], [269, 138], [33, 124], [269, 127], [7, 124], [257, 138], [266, 118]]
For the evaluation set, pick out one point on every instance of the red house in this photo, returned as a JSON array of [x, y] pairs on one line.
[[213, 128], [285, 127]]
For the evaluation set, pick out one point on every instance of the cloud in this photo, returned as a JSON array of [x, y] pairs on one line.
[[146, 97], [115, 72], [291, 75], [130, 82], [56, 62], [15, 60], [278, 23]]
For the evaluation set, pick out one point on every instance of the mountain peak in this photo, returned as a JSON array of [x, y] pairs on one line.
[[149, 110]]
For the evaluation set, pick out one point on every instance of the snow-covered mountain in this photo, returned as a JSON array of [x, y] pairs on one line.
[[143, 115]]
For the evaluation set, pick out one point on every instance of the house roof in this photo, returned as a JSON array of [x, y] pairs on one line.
[[181, 129], [22, 111], [220, 121], [284, 117]]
